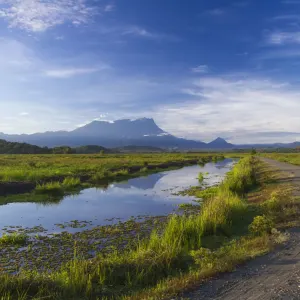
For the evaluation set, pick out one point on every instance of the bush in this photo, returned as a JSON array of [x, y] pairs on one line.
[[261, 225], [200, 177]]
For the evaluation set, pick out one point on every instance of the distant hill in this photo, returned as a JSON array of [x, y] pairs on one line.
[[24, 148]]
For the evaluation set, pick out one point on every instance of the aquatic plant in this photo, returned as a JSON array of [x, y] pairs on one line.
[[200, 177], [13, 239]]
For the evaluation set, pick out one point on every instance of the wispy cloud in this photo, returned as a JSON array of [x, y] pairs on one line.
[[282, 37], [200, 69], [144, 33], [215, 12], [24, 113], [40, 15], [109, 7], [69, 72], [220, 106], [287, 17]]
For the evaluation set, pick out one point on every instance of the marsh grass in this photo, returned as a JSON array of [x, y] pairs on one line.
[[37, 168], [57, 187], [13, 239], [200, 177], [170, 259], [50, 187]]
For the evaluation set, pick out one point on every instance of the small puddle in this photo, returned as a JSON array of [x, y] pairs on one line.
[[154, 195]]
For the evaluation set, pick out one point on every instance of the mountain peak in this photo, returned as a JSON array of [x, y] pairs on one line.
[[219, 139], [220, 143], [120, 129]]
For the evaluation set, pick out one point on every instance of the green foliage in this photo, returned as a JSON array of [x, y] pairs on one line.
[[21, 148], [50, 187], [261, 225], [62, 150], [200, 177], [37, 168], [169, 254], [56, 187], [292, 158], [70, 182], [253, 151], [243, 176], [281, 205], [13, 239]]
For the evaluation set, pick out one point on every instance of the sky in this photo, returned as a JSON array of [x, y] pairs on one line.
[[200, 69]]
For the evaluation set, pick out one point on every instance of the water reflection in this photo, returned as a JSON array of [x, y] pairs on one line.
[[151, 195]]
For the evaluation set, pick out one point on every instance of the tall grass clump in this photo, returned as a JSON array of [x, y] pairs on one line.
[[221, 212], [200, 177], [13, 239], [50, 187], [71, 182], [242, 177]]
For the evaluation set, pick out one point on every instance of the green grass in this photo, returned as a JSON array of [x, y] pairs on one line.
[[37, 168], [292, 158], [50, 187], [13, 239], [224, 232], [169, 254], [200, 177]]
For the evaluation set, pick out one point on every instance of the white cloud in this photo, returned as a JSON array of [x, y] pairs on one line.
[[24, 113], [200, 69], [40, 15], [138, 31], [69, 72], [229, 106], [109, 8], [281, 38], [216, 12], [60, 38], [286, 17], [144, 33]]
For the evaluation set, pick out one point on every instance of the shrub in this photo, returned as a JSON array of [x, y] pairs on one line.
[[200, 177], [261, 225]]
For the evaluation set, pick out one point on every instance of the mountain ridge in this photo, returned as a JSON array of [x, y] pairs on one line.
[[122, 133]]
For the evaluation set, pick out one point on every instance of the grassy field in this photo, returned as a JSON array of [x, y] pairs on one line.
[[292, 158], [58, 175], [36, 168], [226, 231]]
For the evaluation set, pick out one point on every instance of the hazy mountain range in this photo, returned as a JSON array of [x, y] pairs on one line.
[[120, 133]]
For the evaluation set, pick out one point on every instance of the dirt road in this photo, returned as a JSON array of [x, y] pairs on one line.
[[273, 276]]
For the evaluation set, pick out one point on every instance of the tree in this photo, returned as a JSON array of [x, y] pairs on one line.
[[253, 151]]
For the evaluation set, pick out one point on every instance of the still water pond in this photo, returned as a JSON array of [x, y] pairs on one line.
[[145, 196]]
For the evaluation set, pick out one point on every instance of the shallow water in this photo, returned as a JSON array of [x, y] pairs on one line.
[[153, 195]]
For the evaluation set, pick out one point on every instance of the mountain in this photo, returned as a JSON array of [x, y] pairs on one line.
[[120, 133], [220, 143], [128, 129], [123, 133]]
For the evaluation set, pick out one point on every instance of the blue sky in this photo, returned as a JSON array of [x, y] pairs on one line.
[[201, 69]]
